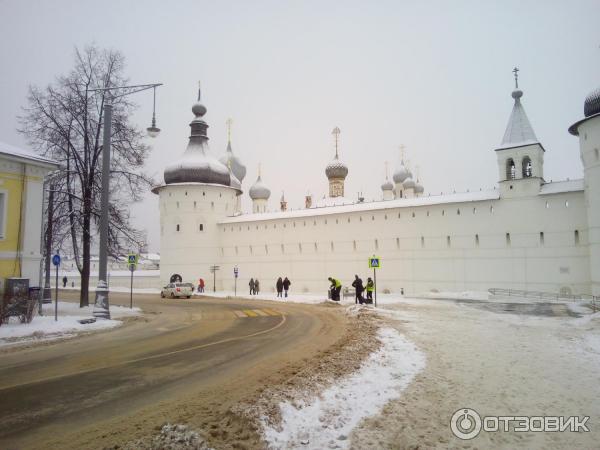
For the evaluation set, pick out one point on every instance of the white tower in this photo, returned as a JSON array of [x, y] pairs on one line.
[[520, 155], [588, 130], [195, 196]]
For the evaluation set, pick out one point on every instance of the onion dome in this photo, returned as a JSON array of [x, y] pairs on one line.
[[387, 186], [234, 183], [259, 191], [408, 183], [336, 169], [592, 103], [419, 189], [230, 160], [197, 165], [401, 173]]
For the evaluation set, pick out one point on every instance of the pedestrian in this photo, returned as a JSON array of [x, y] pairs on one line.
[[256, 286], [335, 288], [286, 286], [279, 286], [370, 288], [251, 284], [64, 280], [357, 284], [201, 285]]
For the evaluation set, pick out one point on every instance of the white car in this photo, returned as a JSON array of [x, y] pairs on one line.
[[173, 290]]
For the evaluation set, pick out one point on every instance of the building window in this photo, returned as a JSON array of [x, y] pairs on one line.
[[491, 209], [474, 210], [325, 221], [427, 213], [348, 219], [476, 240], [443, 212], [508, 239], [526, 167], [177, 227], [336, 221], [541, 238], [177, 204], [284, 225], [448, 243], [212, 205], [398, 215], [250, 247], [300, 248], [282, 249], [372, 217], [316, 247], [194, 204], [3, 204], [547, 205], [360, 218], [566, 203], [186, 193], [458, 212], [422, 242], [576, 235], [511, 171], [203, 194], [331, 244], [266, 249], [376, 244], [236, 250], [597, 153], [354, 245], [201, 227], [398, 243], [385, 217], [413, 214]]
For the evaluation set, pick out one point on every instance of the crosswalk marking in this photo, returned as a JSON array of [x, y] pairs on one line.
[[255, 313]]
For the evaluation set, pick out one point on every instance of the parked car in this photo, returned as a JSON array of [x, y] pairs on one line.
[[173, 290]]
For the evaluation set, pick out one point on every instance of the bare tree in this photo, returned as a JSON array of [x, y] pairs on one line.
[[64, 121]]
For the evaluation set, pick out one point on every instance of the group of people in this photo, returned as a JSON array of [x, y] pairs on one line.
[[359, 288], [200, 285], [254, 286], [282, 285]]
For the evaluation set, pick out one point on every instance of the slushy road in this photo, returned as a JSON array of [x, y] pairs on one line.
[[63, 391]]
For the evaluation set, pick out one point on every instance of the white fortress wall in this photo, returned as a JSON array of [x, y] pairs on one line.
[[438, 248]]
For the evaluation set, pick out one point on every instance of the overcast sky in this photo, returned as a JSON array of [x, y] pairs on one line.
[[434, 76]]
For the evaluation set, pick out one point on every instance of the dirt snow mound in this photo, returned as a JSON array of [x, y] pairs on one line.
[[171, 437]]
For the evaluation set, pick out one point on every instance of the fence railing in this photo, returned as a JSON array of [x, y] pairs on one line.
[[556, 296]]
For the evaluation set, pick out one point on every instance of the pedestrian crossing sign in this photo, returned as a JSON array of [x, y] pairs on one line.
[[374, 262], [132, 260]]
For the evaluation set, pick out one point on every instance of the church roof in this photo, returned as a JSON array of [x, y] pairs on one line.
[[519, 131]]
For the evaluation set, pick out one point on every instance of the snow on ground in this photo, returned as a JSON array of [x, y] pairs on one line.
[[45, 328], [327, 421]]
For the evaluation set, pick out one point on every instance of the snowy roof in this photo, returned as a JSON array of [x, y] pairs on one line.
[[16, 152], [558, 187], [518, 130], [493, 194]]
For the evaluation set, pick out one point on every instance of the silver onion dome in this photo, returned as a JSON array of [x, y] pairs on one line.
[[238, 169], [258, 191], [197, 165], [419, 189], [336, 169], [592, 103], [387, 186], [400, 174], [235, 183], [408, 183]]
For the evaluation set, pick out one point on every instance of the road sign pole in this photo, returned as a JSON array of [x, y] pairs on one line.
[[235, 287], [131, 289], [56, 296], [375, 284]]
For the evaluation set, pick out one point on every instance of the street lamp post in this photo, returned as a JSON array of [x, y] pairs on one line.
[[101, 303]]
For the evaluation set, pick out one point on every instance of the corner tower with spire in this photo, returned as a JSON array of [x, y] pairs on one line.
[[520, 155]]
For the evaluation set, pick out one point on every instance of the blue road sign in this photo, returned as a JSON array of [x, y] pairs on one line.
[[374, 262], [56, 260]]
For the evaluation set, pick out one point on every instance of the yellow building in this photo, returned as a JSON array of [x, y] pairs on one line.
[[22, 175]]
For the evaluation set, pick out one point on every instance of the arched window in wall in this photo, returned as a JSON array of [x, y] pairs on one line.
[[527, 168], [511, 171]]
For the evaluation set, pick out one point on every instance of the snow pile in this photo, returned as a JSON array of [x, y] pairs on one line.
[[45, 328], [171, 437], [327, 421]]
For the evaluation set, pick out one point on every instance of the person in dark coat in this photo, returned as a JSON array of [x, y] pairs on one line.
[[357, 284], [251, 285], [256, 286], [279, 286], [64, 280], [286, 285]]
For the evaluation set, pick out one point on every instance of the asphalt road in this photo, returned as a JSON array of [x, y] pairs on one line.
[[179, 346]]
